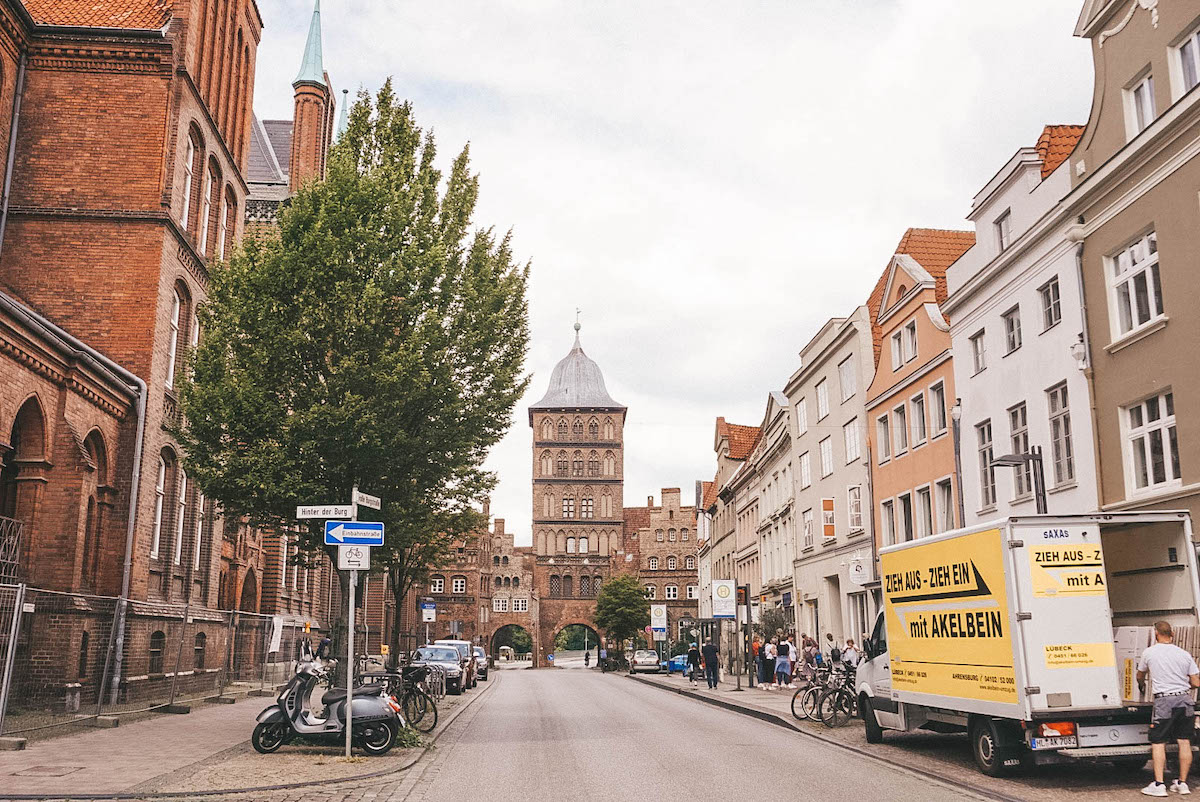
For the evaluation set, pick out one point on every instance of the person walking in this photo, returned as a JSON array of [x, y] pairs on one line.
[[587, 658], [693, 663], [712, 663], [769, 665], [1174, 674], [756, 654], [794, 654], [783, 665]]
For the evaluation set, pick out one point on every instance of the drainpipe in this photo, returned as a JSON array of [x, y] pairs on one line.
[[12, 146], [1089, 373], [135, 387]]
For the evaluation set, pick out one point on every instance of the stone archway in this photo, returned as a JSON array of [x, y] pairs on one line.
[[572, 641], [515, 636], [248, 600]]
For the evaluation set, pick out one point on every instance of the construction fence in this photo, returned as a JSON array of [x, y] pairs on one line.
[[72, 658]]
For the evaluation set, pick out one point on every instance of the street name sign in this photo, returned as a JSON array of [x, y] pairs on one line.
[[354, 558], [353, 533], [367, 500], [325, 511]]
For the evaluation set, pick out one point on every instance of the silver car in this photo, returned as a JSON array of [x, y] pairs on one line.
[[645, 660]]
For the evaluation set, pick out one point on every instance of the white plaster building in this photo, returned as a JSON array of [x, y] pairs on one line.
[[832, 506], [1017, 328]]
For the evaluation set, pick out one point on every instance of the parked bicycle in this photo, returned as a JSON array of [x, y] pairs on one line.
[[806, 697], [838, 703]]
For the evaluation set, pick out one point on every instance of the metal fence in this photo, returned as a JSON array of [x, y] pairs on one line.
[[65, 660]]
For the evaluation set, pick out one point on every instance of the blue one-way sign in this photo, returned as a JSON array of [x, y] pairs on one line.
[[353, 533]]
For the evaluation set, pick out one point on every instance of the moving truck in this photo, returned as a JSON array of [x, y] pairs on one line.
[[1010, 631]]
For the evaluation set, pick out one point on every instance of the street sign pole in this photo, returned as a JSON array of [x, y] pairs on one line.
[[350, 638]]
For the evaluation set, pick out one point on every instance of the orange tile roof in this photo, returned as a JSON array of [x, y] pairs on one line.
[[742, 440], [133, 14], [708, 494], [935, 250], [1055, 145]]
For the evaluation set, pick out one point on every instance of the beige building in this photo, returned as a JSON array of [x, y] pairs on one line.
[[1135, 176], [733, 444]]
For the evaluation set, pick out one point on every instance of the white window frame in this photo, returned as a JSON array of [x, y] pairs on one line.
[[854, 508], [651, 591], [499, 605], [805, 471], [939, 422], [923, 516], [1050, 295], [1062, 444], [689, 563], [910, 341], [1003, 228], [807, 518], [897, 352], [1138, 439], [1123, 272], [1012, 330], [652, 564], [822, 399], [1185, 64], [693, 592], [946, 514], [887, 521], [826, 449], [1018, 441], [900, 429], [801, 416], [672, 563], [1140, 105], [205, 211], [222, 225], [847, 378], [883, 429], [198, 540], [987, 471], [180, 508], [909, 532], [520, 605], [458, 586], [978, 352], [188, 177], [671, 592], [916, 420], [850, 440], [173, 343], [437, 585], [160, 494]]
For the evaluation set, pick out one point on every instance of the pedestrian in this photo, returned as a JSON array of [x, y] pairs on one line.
[[783, 665], [1175, 674], [850, 655], [769, 652], [603, 659], [756, 658], [693, 663], [587, 658], [712, 663], [794, 653]]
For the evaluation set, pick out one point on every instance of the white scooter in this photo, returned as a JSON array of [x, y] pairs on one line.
[[376, 715]]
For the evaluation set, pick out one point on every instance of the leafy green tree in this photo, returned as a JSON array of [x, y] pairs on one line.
[[516, 637], [373, 339], [622, 609]]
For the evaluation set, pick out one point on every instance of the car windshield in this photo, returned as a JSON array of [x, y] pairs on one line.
[[446, 655], [644, 653], [480, 652], [462, 648]]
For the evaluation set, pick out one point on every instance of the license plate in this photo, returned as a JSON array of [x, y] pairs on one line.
[[1055, 742]]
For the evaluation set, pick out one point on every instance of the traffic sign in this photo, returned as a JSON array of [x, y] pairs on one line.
[[367, 500], [354, 558], [428, 612], [353, 533], [658, 617], [325, 511]]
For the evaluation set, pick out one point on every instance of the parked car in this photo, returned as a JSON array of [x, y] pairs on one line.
[[481, 663], [465, 647], [445, 656], [645, 660], [677, 663]]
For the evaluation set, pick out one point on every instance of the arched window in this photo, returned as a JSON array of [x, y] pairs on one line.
[[596, 585], [193, 161], [561, 465], [160, 496], [547, 505], [508, 582], [200, 642], [547, 429], [606, 506], [583, 545], [212, 184], [228, 222], [594, 429], [158, 642], [568, 587], [585, 585], [658, 535], [568, 506], [672, 563], [180, 509], [504, 560], [178, 312], [671, 535], [577, 428], [570, 545], [437, 584], [495, 559], [562, 428], [593, 468], [683, 534], [610, 464], [652, 564], [689, 563], [587, 507], [555, 586], [650, 592], [577, 464], [547, 463], [516, 581], [498, 582], [609, 431]]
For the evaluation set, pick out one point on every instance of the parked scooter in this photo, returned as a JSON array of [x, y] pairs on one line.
[[376, 715]]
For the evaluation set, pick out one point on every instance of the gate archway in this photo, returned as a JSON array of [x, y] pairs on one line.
[[515, 637], [571, 642]]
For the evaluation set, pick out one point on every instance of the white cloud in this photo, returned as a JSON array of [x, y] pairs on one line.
[[709, 181]]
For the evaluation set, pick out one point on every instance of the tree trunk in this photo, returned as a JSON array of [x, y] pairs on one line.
[[399, 580], [339, 625]]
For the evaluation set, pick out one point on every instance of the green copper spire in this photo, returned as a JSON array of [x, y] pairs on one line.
[[312, 68], [344, 117]]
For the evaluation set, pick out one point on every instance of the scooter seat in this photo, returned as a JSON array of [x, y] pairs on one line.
[[337, 694]]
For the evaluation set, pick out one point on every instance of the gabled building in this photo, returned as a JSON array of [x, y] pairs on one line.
[[732, 443], [666, 556]]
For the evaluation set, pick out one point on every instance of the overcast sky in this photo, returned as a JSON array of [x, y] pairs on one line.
[[708, 181]]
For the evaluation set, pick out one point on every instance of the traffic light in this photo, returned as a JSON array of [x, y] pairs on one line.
[[741, 595]]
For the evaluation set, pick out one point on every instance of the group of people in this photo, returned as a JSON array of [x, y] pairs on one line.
[[778, 660]]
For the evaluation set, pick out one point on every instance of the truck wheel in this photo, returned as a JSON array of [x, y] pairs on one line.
[[986, 746], [874, 731]]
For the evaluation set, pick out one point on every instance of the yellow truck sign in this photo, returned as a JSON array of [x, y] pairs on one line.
[[948, 618]]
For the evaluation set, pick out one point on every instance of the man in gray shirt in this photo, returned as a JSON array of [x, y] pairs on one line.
[[1175, 674]]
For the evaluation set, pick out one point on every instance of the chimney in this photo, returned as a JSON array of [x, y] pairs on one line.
[[499, 527], [487, 508], [649, 501]]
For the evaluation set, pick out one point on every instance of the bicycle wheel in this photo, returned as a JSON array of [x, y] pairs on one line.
[[419, 711], [835, 707], [826, 706], [797, 700], [808, 702]]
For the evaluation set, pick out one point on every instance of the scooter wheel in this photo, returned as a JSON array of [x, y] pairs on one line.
[[269, 736], [377, 738]]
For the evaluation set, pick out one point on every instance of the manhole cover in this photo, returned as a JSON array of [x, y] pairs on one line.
[[46, 771]]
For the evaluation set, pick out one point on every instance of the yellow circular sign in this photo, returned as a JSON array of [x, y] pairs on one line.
[[723, 591]]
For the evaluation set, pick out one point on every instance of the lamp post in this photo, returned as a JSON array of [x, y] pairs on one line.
[[1033, 458], [956, 419]]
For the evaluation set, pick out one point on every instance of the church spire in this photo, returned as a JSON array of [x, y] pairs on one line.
[[344, 116], [312, 67]]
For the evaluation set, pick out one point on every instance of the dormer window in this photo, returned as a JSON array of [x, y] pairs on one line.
[[1003, 226]]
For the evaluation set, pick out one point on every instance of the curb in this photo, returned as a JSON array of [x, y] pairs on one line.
[[949, 780], [408, 764]]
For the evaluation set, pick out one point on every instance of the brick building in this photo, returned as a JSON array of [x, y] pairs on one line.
[[666, 555]]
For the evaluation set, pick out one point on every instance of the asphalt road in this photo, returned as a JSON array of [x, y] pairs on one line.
[[557, 735]]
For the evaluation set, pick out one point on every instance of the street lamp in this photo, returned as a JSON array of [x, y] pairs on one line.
[[1033, 458], [956, 418]]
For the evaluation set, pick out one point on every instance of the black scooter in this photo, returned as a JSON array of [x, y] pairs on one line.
[[376, 715]]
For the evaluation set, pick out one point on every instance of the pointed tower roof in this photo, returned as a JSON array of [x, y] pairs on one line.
[[576, 383], [344, 116], [312, 68]]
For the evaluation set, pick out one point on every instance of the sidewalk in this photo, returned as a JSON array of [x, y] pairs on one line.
[[110, 760]]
